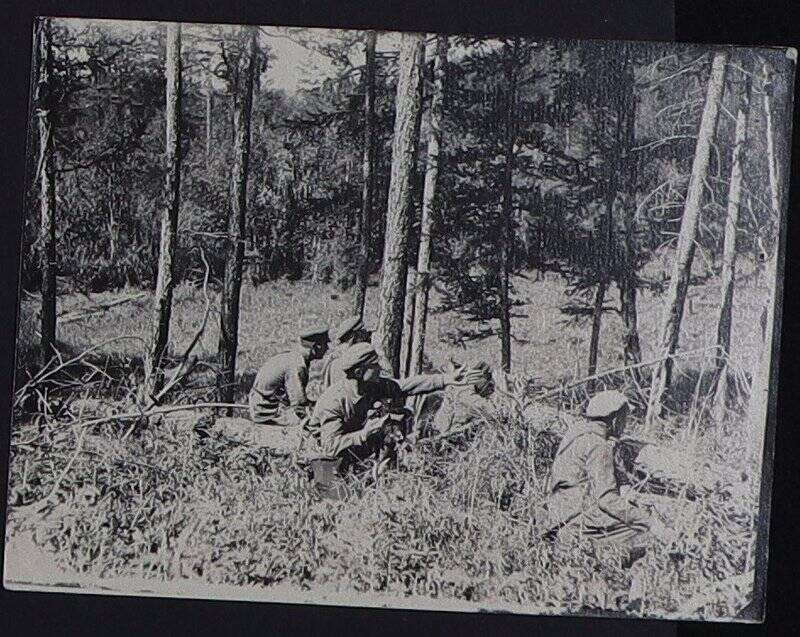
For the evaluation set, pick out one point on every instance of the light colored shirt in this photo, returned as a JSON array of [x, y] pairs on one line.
[[280, 383], [583, 487]]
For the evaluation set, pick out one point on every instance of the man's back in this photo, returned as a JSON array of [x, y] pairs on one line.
[[583, 486], [272, 377], [280, 382]]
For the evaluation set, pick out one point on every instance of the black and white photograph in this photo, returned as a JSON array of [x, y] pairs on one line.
[[391, 319]]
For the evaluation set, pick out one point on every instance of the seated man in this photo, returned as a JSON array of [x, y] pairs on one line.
[[348, 332], [278, 396], [584, 492], [352, 415], [459, 406]]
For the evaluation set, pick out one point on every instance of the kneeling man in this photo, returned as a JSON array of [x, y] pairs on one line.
[[353, 413], [278, 396]]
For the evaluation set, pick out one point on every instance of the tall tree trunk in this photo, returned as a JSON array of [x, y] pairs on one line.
[[47, 196], [368, 168], [729, 245], [232, 284], [684, 254], [627, 280], [408, 322], [209, 120], [759, 391], [398, 220], [594, 339], [428, 203], [507, 235], [162, 307], [606, 251], [407, 337]]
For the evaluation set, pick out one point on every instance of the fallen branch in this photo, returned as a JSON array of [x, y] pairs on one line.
[[186, 364], [133, 415], [685, 354], [49, 370], [99, 308]]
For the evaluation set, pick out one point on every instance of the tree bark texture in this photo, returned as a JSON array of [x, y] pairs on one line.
[[728, 274], [209, 121], [507, 236], [398, 221], [628, 278], [368, 170], [162, 308], [758, 404], [408, 322], [594, 339], [232, 284], [429, 199], [47, 197], [684, 254]]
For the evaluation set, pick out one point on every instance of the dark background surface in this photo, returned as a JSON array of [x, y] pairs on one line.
[[729, 22]]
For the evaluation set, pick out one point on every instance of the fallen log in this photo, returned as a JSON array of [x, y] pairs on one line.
[[97, 308]]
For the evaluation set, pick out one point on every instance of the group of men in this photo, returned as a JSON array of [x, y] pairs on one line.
[[361, 403]]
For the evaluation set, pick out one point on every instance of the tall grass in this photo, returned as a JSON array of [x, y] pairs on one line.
[[461, 519]]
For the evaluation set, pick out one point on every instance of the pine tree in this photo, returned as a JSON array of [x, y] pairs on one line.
[[242, 80], [398, 222], [429, 199], [165, 279], [684, 254], [43, 105]]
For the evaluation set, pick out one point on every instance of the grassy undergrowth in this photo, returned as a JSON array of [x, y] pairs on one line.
[[460, 520]]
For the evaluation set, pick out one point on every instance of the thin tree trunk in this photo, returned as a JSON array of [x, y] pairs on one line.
[[408, 322], [368, 168], [47, 196], [409, 309], [729, 247], [679, 281], [209, 121], [594, 339], [507, 236], [162, 307], [628, 170], [398, 221], [759, 392], [428, 203], [606, 260], [229, 317], [627, 290]]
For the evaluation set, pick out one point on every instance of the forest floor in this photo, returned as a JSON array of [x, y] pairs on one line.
[[459, 524], [547, 345]]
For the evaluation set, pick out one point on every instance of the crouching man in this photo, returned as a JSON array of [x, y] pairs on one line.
[[348, 333], [459, 406], [353, 416], [584, 493], [278, 396]]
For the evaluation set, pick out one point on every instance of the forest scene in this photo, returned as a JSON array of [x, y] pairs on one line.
[[575, 216]]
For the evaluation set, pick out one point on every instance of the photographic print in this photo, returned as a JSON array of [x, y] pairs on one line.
[[406, 320]]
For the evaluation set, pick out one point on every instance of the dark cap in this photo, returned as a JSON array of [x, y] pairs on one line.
[[358, 355], [314, 334]]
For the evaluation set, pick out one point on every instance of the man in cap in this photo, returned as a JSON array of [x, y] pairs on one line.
[[351, 414], [584, 492], [278, 396], [348, 332]]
